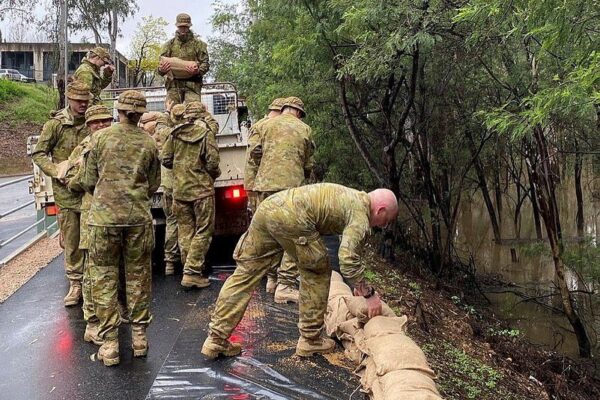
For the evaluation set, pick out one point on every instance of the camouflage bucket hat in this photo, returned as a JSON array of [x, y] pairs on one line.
[[132, 100], [194, 109], [177, 112], [78, 90], [149, 117], [296, 103], [101, 52], [183, 20], [97, 113], [277, 104]]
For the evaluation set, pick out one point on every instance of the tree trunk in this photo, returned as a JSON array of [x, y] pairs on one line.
[[62, 51], [534, 203], [579, 191], [113, 27]]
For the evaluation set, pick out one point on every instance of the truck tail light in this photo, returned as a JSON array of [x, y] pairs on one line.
[[51, 210], [236, 193]]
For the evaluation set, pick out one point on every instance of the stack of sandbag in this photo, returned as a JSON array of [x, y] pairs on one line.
[[178, 67], [390, 364]]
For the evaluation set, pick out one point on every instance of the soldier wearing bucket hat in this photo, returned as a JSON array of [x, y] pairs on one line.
[[59, 137], [122, 170], [187, 47], [96, 70]]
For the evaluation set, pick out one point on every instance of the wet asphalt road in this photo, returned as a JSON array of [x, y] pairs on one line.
[[11, 197]]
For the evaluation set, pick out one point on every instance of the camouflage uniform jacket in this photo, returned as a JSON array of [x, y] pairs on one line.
[[190, 48], [59, 137], [284, 155], [122, 170], [251, 167], [91, 75], [163, 129], [331, 209], [212, 123], [191, 151], [74, 174]]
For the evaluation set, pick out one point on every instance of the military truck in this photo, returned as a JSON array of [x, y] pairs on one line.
[[231, 201]]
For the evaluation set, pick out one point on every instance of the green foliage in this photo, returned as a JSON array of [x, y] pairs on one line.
[[25, 102], [509, 333], [144, 49]]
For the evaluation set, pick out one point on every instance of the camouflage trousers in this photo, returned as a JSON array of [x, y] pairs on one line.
[[89, 310], [172, 253], [196, 223], [68, 221], [287, 271], [131, 248], [184, 92], [258, 250]]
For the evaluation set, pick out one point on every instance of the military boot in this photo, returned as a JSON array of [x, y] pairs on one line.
[[213, 346], [91, 334], [271, 284], [170, 268], [74, 296], [286, 294], [190, 281], [109, 352], [139, 341], [309, 347]]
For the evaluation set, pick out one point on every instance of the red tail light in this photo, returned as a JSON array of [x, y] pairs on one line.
[[235, 193], [51, 210]]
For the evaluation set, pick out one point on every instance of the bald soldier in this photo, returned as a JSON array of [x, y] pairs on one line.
[[60, 135], [293, 221], [96, 71], [186, 46], [283, 157]]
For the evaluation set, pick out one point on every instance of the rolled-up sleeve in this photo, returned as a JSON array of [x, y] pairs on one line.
[[353, 239]]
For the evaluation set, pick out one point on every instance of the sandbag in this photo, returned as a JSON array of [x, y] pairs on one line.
[[178, 68], [351, 351], [337, 288], [408, 384], [336, 313], [357, 305], [349, 327], [382, 326], [397, 352], [336, 276]]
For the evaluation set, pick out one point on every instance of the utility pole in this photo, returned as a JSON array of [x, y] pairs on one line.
[[66, 30], [63, 58]]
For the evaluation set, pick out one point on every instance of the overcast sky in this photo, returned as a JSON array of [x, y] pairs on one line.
[[200, 10]]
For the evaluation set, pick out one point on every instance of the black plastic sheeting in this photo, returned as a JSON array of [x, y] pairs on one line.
[[43, 355]]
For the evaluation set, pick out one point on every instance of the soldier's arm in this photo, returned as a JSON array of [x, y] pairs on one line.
[[168, 153], [309, 162], [164, 52], [350, 247], [212, 123], [85, 76], [202, 61], [44, 147], [106, 78], [89, 174], [73, 176], [212, 156], [251, 168], [154, 174]]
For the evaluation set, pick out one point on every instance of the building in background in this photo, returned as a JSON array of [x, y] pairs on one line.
[[40, 60]]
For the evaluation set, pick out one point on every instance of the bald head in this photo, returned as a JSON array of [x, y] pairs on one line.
[[384, 207]]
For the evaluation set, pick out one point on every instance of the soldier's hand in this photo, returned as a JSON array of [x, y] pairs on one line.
[[164, 66], [192, 69], [109, 68], [373, 306]]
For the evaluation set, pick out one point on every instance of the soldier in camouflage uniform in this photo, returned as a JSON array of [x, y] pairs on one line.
[[251, 168], [96, 71], [122, 169], [192, 152], [186, 46], [284, 159], [164, 125], [293, 221], [96, 118], [60, 135]]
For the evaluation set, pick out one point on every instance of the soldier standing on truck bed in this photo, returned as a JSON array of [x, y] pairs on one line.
[[96, 118], [293, 221], [92, 73], [164, 124], [186, 46], [122, 169], [60, 135], [284, 159], [192, 152]]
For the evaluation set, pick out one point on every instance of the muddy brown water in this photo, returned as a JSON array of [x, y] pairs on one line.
[[532, 270]]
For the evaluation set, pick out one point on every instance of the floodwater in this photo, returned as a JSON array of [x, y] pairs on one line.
[[532, 270]]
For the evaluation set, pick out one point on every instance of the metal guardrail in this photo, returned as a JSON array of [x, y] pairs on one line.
[[24, 178], [14, 210]]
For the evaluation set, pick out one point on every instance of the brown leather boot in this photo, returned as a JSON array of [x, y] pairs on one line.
[[139, 341], [310, 347], [195, 280], [91, 334], [286, 294], [74, 296], [109, 352], [271, 284], [170, 268], [213, 346]]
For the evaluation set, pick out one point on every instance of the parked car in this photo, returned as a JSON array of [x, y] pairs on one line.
[[10, 74], [26, 79]]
